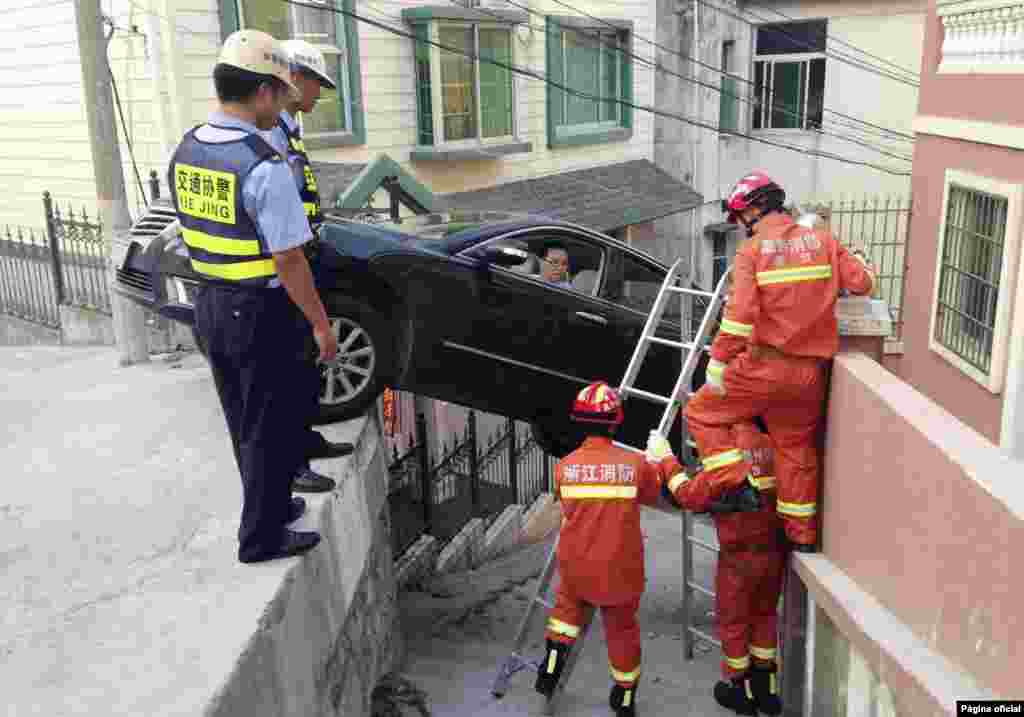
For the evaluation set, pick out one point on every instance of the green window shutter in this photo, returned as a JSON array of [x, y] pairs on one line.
[[555, 73], [228, 17], [424, 96], [728, 109], [627, 81], [495, 82], [355, 74]]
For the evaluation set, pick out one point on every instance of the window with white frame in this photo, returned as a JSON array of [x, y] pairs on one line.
[[465, 93], [789, 75], [978, 247], [324, 28]]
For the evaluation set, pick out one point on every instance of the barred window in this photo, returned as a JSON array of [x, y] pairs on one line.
[[975, 265], [972, 256]]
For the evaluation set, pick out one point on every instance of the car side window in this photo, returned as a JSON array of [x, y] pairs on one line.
[[560, 259], [635, 285]]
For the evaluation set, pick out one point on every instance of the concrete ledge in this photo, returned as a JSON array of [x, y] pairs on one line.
[[417, 562], [18, 332], [457, 555], [314, 634], [501, 535], [923, 681]]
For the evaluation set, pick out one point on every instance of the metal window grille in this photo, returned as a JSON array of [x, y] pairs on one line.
[[972, 258]]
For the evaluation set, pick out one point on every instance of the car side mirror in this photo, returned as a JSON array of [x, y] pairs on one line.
[[508, 254]]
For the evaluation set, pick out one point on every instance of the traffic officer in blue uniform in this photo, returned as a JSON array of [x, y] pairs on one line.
[[308, 74], [244, 226]]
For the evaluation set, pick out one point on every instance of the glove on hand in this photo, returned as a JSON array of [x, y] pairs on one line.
[[658, 449], [745, 499]]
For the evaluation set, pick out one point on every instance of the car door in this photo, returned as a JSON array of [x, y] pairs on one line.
[[542, 338]]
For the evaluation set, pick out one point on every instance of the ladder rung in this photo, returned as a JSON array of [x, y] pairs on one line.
[[702, 544], [669, 342], [703, 636], [644, 394], [701, 589], [694, 292]]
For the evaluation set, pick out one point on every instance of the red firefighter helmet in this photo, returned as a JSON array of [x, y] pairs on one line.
[[756, 189], [597, 403]]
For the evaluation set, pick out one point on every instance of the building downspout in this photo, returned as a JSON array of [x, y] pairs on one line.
[[695, 217]]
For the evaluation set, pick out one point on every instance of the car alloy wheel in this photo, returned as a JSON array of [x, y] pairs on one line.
[[350, 372]]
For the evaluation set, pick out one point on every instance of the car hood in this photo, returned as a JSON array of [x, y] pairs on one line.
[[369, 241]]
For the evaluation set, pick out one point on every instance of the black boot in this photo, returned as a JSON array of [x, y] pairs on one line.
[[623, 700], [555, 655], [764, 684], [736, 696]]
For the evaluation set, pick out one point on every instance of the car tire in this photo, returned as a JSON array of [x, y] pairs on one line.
[[557, 441], [354, 380]]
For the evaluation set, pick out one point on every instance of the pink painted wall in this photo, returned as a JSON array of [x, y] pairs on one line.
[[987, 98], [920, 366], [927, 517]]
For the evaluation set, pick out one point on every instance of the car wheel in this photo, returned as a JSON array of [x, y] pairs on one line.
[[556, 441], [355, 378]]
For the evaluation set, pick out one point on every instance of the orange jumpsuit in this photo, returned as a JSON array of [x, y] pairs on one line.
[[751, 558], [601, 549], [778, 331]]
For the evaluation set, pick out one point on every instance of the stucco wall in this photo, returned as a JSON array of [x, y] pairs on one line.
[[981, 98], [920, 366], [927, 518]]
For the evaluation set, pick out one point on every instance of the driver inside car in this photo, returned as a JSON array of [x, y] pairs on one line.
[[554, 266]]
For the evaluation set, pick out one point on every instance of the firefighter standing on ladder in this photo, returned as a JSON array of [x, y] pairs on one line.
[[748, 579], [768, 358], [600, 549]]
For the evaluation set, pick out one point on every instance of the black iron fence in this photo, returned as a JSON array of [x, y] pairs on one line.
[[27, 288], [79, 254], [471, 479]]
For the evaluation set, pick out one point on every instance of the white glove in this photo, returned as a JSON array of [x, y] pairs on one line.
[[713, 376], [658, 448]]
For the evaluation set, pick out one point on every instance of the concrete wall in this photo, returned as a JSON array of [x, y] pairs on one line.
[[87, 327], [932, 601], [330, 629], [17, 332]]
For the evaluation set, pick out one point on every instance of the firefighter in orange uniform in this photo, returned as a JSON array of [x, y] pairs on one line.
[[600, 549], [769, 355], [748, 581]]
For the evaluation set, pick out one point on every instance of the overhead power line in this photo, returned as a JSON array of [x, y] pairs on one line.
[[838, 57], [720, 71], [659, 68], [532, 74]]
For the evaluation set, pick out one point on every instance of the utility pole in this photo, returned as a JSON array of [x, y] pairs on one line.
[[129, 320]]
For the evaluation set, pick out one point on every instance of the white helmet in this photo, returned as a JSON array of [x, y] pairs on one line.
[[259, 53], [307, 57]]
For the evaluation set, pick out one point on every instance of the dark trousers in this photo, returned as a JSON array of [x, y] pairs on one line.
[[258, 344]]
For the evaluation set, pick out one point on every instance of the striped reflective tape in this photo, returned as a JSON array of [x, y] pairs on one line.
[[796, 510], [598, 491], [563, 628], [763, 653], [715, 368], [226, 246], [763, 482], [677, 480], [237, 271], [736, 328], [625, 676], [721, 460], [738, 663], [794, 274]]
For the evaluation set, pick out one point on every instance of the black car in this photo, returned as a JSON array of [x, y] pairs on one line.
[[453, 306]]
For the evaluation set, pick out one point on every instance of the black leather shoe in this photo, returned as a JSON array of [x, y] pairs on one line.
[[309, 481], [329, 449], [764, 686], [733, 695], [292, 543], [623, 700], [555, 655], [296, 509]]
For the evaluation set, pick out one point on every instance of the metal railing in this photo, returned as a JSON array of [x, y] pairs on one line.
[[79, 253], [471, 479], [26, 277]]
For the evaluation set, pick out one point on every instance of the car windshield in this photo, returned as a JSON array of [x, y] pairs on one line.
[[445, 225]]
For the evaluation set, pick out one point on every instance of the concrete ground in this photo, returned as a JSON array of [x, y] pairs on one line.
[[121, 593], [460, 629]]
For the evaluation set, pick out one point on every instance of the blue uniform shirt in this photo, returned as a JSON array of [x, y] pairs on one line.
[[269, 193], [276, 136]]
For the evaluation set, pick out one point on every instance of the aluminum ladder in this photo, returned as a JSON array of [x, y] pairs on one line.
[[516, 661]]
